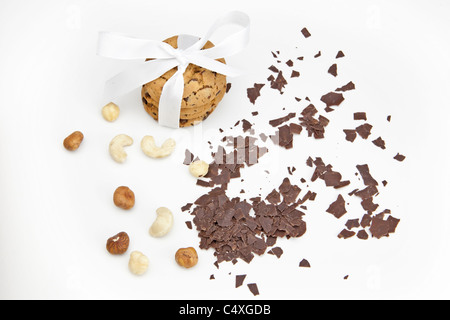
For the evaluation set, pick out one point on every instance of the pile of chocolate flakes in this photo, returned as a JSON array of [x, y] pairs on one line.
[[238, 228]]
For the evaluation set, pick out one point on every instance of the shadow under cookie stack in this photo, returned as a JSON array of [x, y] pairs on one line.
[[203, 90]]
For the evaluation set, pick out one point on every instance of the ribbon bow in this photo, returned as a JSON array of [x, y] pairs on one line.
[[165, 57]]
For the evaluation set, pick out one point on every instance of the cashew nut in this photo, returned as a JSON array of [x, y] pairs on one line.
[[163, 223], [138, 263], [110, 112], [149, 147], [116, 147]]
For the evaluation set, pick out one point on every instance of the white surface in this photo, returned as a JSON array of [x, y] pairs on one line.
[[56, 209]]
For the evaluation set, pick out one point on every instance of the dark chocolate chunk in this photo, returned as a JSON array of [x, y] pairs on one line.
[[246, 125], [359, 116], [228, 87], [188, 224], [333, 70], [289, 63], [254, 93], [352, 223], [273, 69], [347, 87], [379, 227], [304, 264], [277, 251], [337, 208], [240, 280], [279, 83], [346, 234], [277, 122], [350, 134], [364, 130], [253, 288], [332, 99], [340, 54], [189, 157], [365, 174], [306, 33], [295, 74], [379, 142], [318, 54], [399, 157], [362, 234]]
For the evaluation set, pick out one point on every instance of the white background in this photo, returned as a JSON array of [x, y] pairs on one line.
[[56, 207]]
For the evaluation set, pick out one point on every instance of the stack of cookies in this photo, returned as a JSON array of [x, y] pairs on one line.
[[203, 90]]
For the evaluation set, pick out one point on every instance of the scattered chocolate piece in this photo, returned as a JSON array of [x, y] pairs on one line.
[[340, 54], [306, 33], [228, 87], [399, 157], [277, 251], [346, 234], [240, 280], [295, 74], [379, 142], [279, 83], [186, 207], [346, 277], [300, 58], [332, 99], [254, 93], [352, 223], [364, 130], [362, 234], [189, 157], [389, 118], [347, 87], [337, 208], [350, 134], [304, 264], [246, 125], [384, 182], [333, 70], [379, 227], [277, 122], [253, 288], [273, 69], [289, 63], [365, 174], [211, 277], [189, 224], [359, 116], [318, 54]]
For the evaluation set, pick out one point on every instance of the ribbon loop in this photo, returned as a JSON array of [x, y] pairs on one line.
[[164, 57]]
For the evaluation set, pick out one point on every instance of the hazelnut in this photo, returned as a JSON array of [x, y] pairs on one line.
[[199, 168], [118, 244], [73, 141], [110, 112], [138, 263], [186, 257], [124, 198]]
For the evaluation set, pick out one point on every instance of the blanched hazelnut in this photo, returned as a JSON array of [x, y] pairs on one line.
[[138, 263], [73, 141], [186, 257], [198, 168], [124, 198], [110, 112], [118, 244]]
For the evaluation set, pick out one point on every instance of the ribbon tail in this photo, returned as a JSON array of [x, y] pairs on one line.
[[170, 101], [136, 76]]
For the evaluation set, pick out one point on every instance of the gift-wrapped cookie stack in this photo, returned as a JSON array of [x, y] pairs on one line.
[[183, 78], [203, 90]]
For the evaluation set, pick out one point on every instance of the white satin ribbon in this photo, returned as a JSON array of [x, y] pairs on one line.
[[165, 57]]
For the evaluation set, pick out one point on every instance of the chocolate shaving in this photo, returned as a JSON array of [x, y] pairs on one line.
[[347, 87], [279, 83], [332, 99], [359, 116], [364, 130], [350, 135], [333, 70], [379, 142], [254, 93], [279, 121], [365, 174], [337, 208], [305, 33], [399, 157]]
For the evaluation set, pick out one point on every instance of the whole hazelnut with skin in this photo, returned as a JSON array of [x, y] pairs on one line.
[[186, 257], [73, 141], [118, 244], [124, 198]]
